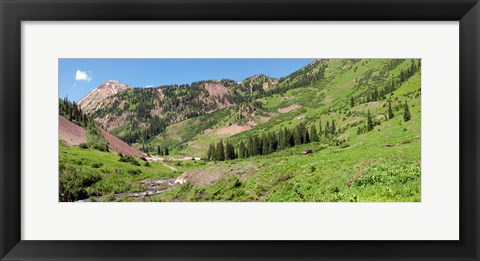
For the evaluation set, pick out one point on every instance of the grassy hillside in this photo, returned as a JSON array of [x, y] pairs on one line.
[[373, 154], [87, 172], [378, 165]]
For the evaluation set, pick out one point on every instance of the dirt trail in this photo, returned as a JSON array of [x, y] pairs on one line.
[[170, 167]]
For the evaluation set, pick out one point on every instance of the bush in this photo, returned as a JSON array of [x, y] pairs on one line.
[[323, 146], [97, 165], [134, 171], [101, 147], [344, 145], [75, 183], [83, 145], [129, 159]]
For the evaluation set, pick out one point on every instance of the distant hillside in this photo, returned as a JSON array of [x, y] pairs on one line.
[[188, 117], [135, 114]]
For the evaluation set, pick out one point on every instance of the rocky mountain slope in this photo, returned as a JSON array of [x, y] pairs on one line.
[[97, 98]]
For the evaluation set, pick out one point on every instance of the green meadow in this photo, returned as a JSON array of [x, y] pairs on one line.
[[373, 154]]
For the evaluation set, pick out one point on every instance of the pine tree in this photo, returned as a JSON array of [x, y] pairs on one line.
[[327, 129], [211, 152], [352, 102], [265, 145], [297, 136], [220, 152], [306, 136], [301, 135], [242, 150], [313, 133], [291, 139], [166, 151], [250, 147], [158, 150], [369, 121], [229, 151], [273, 141], [390, 111], [320, 129], [333, 127], [406, 114], [257, 145]]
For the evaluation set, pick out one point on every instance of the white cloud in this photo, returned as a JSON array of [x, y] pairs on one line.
[[149, 86], [82, 76]]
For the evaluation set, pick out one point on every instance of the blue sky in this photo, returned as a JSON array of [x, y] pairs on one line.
[[77, 77]]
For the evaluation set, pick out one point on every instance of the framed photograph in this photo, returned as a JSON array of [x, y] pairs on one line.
[[244, 130]]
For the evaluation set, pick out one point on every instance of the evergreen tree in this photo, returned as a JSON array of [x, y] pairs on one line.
[[406, 113], [273, 141], [327, 129], [257, 145], [390, 111], [300, 139], [211, 152], [265, 145], [313, 133], [306, 136], [352, 102], [291, 139], [242, 150], [333, 127], [250, 147], [220, 152], [320, 129], [166, 151], [229, 151], [369, 121], [158, 150]]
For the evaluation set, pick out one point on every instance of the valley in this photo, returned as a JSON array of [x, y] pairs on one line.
[[337, 130]]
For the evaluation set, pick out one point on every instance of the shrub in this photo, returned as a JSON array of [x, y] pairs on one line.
[[97, 165], [101, 147], [323, 146], [134, 171], [75, 183], [83, 145], [129, 159]]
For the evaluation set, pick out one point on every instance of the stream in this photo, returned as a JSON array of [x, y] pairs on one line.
[[154, 187]]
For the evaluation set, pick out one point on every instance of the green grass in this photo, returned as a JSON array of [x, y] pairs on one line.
[[367, 170], [80, 167], [388, 173], [382, 165]]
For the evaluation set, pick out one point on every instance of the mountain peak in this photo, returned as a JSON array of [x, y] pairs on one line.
[[91, 101]]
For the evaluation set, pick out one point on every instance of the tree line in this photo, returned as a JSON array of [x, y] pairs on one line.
[[270, 142]]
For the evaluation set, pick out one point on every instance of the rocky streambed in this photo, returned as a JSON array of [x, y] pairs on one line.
[[154, 187]]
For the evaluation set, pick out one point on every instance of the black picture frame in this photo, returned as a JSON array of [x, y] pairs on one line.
[[13, 12]]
